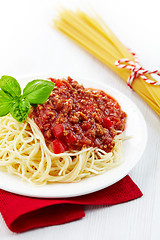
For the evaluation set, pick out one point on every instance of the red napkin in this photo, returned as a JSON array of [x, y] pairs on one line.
[[23, 213]]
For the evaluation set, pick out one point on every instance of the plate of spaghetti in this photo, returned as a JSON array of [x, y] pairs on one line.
[[80, 140]]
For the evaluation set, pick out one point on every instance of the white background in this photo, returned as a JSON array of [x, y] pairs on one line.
[[29, 45]]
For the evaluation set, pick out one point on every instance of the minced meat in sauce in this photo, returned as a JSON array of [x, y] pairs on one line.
[[74, 117]]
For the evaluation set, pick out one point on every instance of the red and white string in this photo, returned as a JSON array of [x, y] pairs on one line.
[[136, 70]]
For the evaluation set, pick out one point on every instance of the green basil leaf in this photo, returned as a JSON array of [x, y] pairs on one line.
[[38, 91], [10, 85], [20, 109], [5, 97], [5, 108], [5, 103]]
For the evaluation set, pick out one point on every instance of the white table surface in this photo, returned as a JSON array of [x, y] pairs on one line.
[[28, 45]]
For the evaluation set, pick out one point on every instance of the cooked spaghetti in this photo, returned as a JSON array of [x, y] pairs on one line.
[[23, 152], [76, 134]]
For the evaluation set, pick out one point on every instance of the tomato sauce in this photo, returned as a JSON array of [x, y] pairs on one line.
[[74, 117]]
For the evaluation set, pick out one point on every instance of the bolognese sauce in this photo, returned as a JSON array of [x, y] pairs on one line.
[[75, 117]]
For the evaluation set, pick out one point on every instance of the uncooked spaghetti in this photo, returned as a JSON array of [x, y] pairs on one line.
[[95, 36]]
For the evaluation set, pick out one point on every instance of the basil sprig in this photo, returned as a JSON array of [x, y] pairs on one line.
[[12, 101]]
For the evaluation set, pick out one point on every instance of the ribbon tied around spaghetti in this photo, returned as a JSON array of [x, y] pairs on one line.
[[136, 70]]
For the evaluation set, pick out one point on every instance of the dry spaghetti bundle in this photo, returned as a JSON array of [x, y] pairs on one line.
[[97, 38]]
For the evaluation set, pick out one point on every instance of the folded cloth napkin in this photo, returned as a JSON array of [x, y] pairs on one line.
[[23, 213]]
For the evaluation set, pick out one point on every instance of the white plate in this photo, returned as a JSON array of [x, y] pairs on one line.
[[132, 152]]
